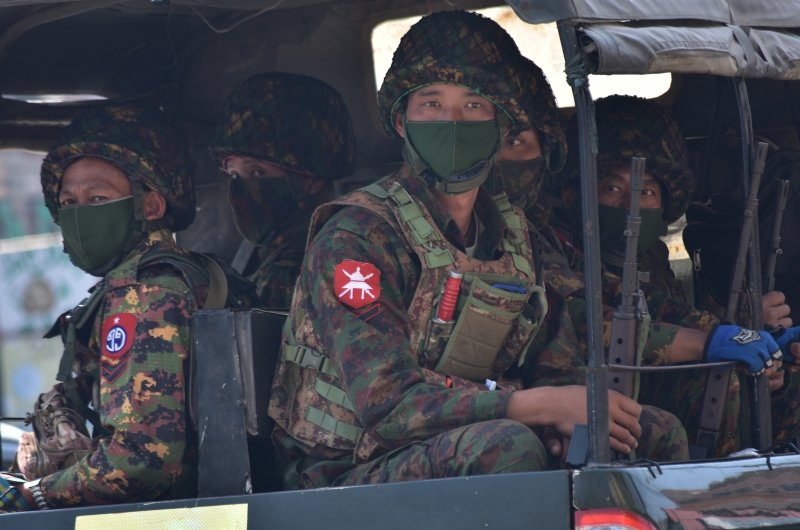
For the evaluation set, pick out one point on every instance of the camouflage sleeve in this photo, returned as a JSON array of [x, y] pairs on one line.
[[660, 337], [142, 335], [680, 313], [396, 401], [556, 355]]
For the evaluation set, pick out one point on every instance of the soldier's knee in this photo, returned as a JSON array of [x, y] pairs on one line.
[[504, 446], [663, 437]]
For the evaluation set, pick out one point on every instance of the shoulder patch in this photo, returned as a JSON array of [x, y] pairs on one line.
[[356, 283], [118, 334]]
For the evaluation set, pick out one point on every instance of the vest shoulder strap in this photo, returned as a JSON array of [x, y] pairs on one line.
[[518, 245], [197, 269]]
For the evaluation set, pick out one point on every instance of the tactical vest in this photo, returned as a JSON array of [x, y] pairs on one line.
[[500, 307]]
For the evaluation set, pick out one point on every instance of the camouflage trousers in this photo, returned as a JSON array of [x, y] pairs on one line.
[[486, 448], [786, 411], [663, 437], [682, 392]]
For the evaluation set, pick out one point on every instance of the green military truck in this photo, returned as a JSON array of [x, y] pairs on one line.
[[727, 67]]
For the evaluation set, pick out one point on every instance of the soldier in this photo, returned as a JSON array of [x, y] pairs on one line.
[[530, 156], [284, 139], [118, 188], [385, 374], [668, 182]]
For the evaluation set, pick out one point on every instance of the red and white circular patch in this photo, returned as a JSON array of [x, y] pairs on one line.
[[118, 335], [356, 283]]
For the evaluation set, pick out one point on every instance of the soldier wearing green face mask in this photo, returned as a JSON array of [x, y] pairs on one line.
[[118, 187], [419, 294], [283, 139], [629, 127]]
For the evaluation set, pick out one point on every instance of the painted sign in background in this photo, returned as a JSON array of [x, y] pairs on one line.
[[38, 284]]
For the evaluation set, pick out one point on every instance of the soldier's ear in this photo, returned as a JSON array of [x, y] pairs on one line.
[[400, 123], [154, 205]]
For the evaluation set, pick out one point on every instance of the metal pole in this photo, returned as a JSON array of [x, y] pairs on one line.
[[597, 371], [758, 388]]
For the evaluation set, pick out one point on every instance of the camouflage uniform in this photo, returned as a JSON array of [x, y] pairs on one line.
[[629, 126], [372, 393], [138, 387], [634, 126], [302, 125]]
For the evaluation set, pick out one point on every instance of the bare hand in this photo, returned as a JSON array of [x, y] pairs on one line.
[[775, 310], [563, 407], [27, 456], [775, 376], [794, 351]]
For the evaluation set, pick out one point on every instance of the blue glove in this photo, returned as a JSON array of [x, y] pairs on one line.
[[754, 348], [11, 499], [785, 337]]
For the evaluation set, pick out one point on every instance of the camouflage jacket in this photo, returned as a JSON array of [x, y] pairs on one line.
[[278, 264], [135, 354], [663, 292], [365, 364], [556, 362]]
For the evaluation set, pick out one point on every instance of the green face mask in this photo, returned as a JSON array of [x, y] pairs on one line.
[[95, 235], [612, 231], [460, 154], [522, 180]]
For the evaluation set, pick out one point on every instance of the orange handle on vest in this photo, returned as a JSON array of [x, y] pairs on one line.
[[447, 306]]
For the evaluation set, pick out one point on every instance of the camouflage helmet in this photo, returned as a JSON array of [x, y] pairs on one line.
[[139, 142], [630, 126], [297, 122], [455, 47], [544, 115]]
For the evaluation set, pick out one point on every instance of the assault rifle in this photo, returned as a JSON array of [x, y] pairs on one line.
[[775, 241], [719, 378], [757, 387], [632, 308]]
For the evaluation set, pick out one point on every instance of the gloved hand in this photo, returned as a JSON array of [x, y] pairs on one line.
[[754, 348], [785, 337], [11, 499]]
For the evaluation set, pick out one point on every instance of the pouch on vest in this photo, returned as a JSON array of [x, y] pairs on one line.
[[490, 308]]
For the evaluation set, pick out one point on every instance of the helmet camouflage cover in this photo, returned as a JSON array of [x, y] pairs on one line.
[[630, 126], [544, 115], [139, 142], [297, 122], [455, 47]]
